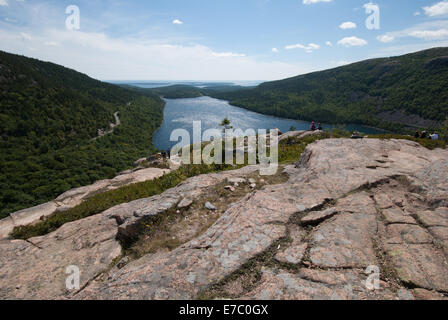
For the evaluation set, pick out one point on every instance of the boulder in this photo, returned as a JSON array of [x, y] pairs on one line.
[[185, 203], [36, 269], [140, 161], [210, 206], [236, 180]]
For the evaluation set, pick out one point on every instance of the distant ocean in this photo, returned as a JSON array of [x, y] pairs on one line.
[[200, 84]]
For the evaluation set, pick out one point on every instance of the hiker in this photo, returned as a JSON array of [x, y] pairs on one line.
[[319, 127], [313, 126], [423, 135], [435, 136], [417, 135], [356, 135], [163, 154]]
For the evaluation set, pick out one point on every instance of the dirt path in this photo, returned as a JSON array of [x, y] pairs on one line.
[[102, 133]]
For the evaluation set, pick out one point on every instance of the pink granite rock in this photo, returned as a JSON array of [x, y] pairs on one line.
[[390, 198]]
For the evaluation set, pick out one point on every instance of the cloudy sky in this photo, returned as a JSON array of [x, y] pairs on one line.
[[217, 39]]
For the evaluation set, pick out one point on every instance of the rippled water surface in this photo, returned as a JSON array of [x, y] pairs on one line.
[[180, 113]]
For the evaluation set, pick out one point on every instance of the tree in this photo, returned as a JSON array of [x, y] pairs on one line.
[[225, 122]]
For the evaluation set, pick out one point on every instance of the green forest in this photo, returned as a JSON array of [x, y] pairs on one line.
[[415, 83], [49, 116]]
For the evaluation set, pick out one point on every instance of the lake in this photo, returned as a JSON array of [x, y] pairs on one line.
[[180, 114]]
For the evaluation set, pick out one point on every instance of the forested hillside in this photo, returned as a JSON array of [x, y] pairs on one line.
[[48, 117], [399, 93], [188, 91], [178, 91], [410, 90]]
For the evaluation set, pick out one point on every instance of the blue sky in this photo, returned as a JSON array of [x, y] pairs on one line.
[[216, 39]]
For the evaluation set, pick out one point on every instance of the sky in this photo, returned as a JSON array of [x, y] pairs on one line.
[[217, 40]]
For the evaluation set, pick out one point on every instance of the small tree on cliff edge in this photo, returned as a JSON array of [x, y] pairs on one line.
[[225, 122]]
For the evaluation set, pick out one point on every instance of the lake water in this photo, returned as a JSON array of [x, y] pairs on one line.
[[180, 114]]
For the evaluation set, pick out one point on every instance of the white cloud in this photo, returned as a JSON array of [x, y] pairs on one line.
[[417, 13], [315, 1], [9, 20], [437, 9], [352, 42], [294, 46], [386, 38], [309, 48], [148, 54], [227, 54], [433, 30], [275, 50], [25, 36], [403, 49], [143, 59], [371, 7], [313, 46], [430, 34], [348, 25], [328, 43], [51, 43], [3, 3], [177, 21]]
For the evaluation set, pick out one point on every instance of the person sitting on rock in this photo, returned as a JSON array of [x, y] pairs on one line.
[[279, 133], [435, 136], [319, 127], [356, 135], [423, 135], [313, 126], [417, 135]]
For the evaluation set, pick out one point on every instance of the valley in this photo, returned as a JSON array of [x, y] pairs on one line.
[[72, 192], [412, 87]]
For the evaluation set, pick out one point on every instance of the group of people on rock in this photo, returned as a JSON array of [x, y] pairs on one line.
[[418, 135], [313, 126], [425, 135]]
